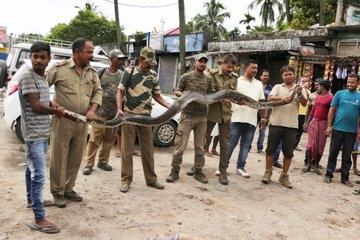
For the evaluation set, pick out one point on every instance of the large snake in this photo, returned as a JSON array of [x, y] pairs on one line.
[[182, 102]]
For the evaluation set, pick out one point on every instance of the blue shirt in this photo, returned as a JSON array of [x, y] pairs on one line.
[[267, 90], [347, 110]]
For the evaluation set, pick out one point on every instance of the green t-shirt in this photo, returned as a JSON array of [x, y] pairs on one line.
[[190, 82]]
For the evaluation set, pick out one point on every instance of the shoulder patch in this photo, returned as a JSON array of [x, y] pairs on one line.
[[214, 70], [60, 63], [92, 69], [234, 74]]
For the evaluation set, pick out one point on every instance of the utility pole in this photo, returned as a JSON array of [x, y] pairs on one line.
[[182, 49], [322, 12], [118, 28]]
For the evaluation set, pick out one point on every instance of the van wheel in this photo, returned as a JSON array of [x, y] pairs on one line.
[[3, 73], [18, 130]]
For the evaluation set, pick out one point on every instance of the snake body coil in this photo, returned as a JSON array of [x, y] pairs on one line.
[[182, 102]]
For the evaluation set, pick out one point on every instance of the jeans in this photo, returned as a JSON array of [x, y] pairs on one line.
[[338, 139], [245, 132], [261, 138], [35, 175]]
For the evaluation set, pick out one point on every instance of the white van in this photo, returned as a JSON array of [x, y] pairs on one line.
[[21, 51]]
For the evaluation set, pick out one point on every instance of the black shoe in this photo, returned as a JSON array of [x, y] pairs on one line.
[[191, 172], [200, 176], [278, 165], [73, 196], [104, 166], [87, 170], [223, 179], [59, 201]]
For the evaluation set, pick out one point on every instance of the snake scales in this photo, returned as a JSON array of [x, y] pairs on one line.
[[184, 100]]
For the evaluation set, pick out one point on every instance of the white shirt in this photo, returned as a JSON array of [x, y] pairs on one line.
[[252, 88]]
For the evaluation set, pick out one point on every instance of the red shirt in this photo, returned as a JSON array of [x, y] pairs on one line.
[[321, 107]]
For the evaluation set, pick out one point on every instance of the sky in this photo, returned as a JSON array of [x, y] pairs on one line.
[[39, 16]]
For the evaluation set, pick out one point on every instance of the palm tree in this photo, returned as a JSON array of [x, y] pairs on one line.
[[89, 7], [267, 9], [247, 20], [213, 19]]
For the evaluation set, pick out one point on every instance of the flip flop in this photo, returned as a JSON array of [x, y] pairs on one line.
[[47, 203], [48, 228], [356, 192]]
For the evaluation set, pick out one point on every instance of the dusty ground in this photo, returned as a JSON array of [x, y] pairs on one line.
[[245, 209]]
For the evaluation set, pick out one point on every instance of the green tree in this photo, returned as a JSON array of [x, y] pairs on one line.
[[261, 29], [87, 24], [189, 27], [234, 33], [247, 20], [212, 21], [307, 12], [267, 12]]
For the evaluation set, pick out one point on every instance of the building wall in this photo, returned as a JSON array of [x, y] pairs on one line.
[[168, 72]]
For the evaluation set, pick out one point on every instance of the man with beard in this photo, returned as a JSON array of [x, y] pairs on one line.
[[193, 117], [342, 125]]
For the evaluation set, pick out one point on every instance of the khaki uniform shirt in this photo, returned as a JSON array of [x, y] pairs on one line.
[[219, 112], [73, 92]]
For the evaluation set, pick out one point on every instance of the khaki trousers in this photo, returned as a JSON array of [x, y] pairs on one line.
[[67, 144], [103, 138], [128, 137], [188, 123], [224, 134]]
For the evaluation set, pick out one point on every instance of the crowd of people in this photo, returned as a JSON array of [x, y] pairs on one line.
[[119, 90]]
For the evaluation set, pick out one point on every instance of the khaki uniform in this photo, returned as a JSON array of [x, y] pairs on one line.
[[68, 138], [221, 113], [104, 138], [138, 96]]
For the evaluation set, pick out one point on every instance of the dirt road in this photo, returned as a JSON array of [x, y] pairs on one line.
[[245, 209]]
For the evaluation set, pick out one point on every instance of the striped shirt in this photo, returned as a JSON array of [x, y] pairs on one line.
[[139, 90], [34, 126]]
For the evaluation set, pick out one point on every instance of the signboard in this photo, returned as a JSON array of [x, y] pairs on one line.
[[156, 42], [193, 42]]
